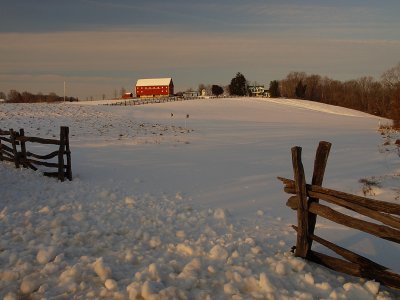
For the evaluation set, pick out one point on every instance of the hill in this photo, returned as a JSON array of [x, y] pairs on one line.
[[180, 201]]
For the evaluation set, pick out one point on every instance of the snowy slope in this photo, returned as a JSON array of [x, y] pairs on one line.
[[168, 207]]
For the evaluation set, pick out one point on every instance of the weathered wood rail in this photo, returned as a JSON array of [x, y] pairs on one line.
[[13, 149], [307, 203]]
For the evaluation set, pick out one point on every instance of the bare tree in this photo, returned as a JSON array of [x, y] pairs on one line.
[[14, 96], [122, 91], [207, 88], [289, 84], [226, 89], [391, 81], [391, 77], [313, 91], [365, 84], [201, 87], [396, 107]]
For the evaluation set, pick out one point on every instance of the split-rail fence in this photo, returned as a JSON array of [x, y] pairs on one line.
[[307, 203], [151, 100], [13, 148]]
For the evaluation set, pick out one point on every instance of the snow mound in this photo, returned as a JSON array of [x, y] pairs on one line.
[[145, 251]]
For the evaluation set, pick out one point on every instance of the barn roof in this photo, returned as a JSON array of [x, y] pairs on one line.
[[154, 81]]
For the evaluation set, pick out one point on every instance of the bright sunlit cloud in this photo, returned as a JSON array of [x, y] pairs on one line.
[[117, 42]]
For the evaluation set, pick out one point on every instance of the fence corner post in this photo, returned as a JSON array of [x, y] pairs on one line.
[[302, 243], [321, 159], [22, 158]]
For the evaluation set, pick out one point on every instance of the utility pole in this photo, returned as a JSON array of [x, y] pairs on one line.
[[64, 90]]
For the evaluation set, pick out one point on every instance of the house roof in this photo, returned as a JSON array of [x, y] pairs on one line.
[[154, 81]]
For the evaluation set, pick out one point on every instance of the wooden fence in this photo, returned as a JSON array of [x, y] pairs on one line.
[[141, 101], [151, 100], [306, 202], [13, 148]]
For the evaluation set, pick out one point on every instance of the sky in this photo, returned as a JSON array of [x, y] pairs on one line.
[[99, 46]]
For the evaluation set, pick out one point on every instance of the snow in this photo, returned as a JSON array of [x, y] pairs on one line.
[[165, 207]]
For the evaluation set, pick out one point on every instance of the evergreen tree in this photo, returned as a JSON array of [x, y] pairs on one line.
[[217, 90], [301, 90], [238, 85], [274, 89]]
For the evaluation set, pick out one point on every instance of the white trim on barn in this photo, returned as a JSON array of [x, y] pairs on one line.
[[154, 82]]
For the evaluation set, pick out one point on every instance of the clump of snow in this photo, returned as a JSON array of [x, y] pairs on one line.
[[220, 214], [357, 292], [280, 268], [372, 287], [184, 249], [101, 270], [180, 234], [30, 284], [129, 201], [218, 252], [45, 255], [111, 284]]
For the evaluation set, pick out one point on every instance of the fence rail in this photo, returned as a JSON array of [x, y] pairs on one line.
[[11, 140], [306, 203]]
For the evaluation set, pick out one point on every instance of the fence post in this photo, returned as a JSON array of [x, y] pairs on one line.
[[23, 148], [61, 154], [321, 159], [68, 152], [13, 135], [302, 243]]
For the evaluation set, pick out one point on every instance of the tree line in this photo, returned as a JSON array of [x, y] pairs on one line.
[[376, 97], [25, 97]]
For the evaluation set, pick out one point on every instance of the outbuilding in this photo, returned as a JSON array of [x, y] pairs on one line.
[[127, 96], [256, 90], [190, 94], [154, 87]]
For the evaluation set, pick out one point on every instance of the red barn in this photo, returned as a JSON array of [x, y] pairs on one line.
[[127, 96], [155, 87]]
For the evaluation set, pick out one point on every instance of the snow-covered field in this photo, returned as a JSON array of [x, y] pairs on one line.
[[168, 207]]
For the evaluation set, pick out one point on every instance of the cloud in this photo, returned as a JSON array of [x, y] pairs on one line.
[[101, 44], [100, 61], [122, 50]]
